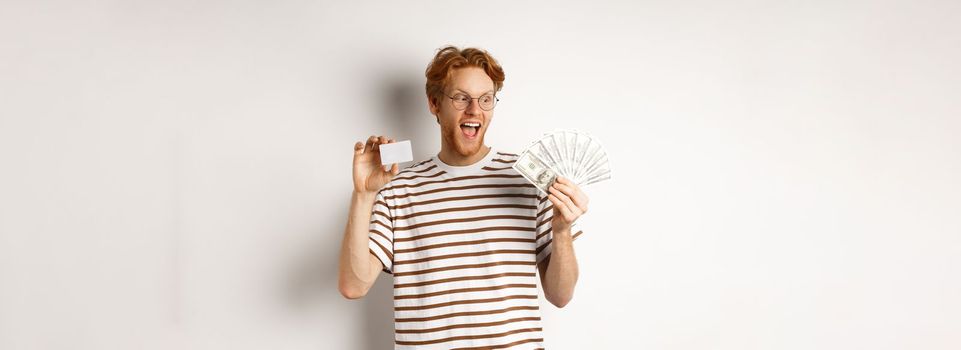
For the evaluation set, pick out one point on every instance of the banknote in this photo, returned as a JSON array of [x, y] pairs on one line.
[[535, 170], [572, 154]]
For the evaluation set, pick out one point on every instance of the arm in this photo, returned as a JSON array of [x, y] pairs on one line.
[[358, 267], [559, 270]]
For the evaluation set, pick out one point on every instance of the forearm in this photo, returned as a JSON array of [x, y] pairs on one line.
[[561, 275], [356, 270]]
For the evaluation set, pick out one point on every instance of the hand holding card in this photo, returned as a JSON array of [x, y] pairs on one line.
[[369, 176]]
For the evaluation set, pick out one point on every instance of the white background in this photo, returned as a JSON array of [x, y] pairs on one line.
[[176, 174]]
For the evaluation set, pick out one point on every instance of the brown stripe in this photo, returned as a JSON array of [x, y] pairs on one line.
[[548, 230], [461, 302], [410, 168], [464, 278], [547, 209], [502, 346], [452, 244], [507, 154], [473, 219], [466, 325], [378, 212], [381, 223], [461, 255], [471, 230], [380, 234], [386, 252], [465, 337], [419, 164], [505, 161], [463, 290], [476, 207], [467, 313], [378, 259], [460, 267], [542, 246], [544, 200], [521, 185], [495, 169], [448, 199], [420, 176], [453, 179], [546, 220]]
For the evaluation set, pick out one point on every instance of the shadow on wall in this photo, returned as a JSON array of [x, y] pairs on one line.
[[404, 116], [311, 289], [379, 314]]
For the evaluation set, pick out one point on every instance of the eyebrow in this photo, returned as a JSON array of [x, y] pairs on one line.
[[482, 94]]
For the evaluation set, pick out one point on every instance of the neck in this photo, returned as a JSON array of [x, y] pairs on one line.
[[451, 157]]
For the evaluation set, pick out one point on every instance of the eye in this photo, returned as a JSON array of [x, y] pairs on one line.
[[486, 98], [461, 98]]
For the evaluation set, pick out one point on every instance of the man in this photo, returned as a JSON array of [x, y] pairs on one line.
[[460, 232]]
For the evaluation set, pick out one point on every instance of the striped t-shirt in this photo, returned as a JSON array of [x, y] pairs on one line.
[[463, 243]]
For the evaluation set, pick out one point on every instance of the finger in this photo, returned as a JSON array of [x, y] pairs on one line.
[[556, 202], [575, 193], [571, 208], [559, 205], [389, 168], [358, 147], [394, 169], [370, 143], [380, 141], [566, 189]]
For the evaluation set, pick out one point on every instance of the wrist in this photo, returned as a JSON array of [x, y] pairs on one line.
[[558, 226], [562, 238], [363, 196]]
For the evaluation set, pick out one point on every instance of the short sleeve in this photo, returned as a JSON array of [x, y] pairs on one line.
[[544, 234], [381, 235]]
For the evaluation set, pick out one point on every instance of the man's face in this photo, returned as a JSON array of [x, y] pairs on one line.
[[462, 131]]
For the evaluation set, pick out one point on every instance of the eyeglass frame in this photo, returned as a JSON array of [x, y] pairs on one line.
[[496, 99]]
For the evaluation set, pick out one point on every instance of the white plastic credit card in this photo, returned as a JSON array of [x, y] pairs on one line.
[[397, 152]]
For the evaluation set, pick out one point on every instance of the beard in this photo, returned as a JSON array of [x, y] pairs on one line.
[[454, 139]]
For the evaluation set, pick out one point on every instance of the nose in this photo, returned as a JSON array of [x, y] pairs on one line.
[[473, 107]]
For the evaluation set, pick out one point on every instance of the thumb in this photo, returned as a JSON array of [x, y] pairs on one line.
[[395, 169]]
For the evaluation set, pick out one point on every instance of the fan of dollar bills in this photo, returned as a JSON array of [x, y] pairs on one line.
[[572, 154]]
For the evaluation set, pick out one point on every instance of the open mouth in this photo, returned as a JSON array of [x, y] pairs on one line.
[[470, 129]]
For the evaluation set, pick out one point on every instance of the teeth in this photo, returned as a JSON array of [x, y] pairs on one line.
[[472, 125]]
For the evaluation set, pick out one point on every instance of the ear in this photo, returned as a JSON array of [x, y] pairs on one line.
[[433, 107]]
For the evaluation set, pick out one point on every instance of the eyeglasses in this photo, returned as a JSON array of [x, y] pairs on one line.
[[461, 101]]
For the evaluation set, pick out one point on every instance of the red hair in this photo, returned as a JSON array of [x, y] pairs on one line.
[[447, 59]]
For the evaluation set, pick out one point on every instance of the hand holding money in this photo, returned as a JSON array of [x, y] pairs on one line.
[[369, 174], [569, 204]]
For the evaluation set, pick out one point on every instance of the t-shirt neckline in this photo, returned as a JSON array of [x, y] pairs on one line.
[[477, 166]]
